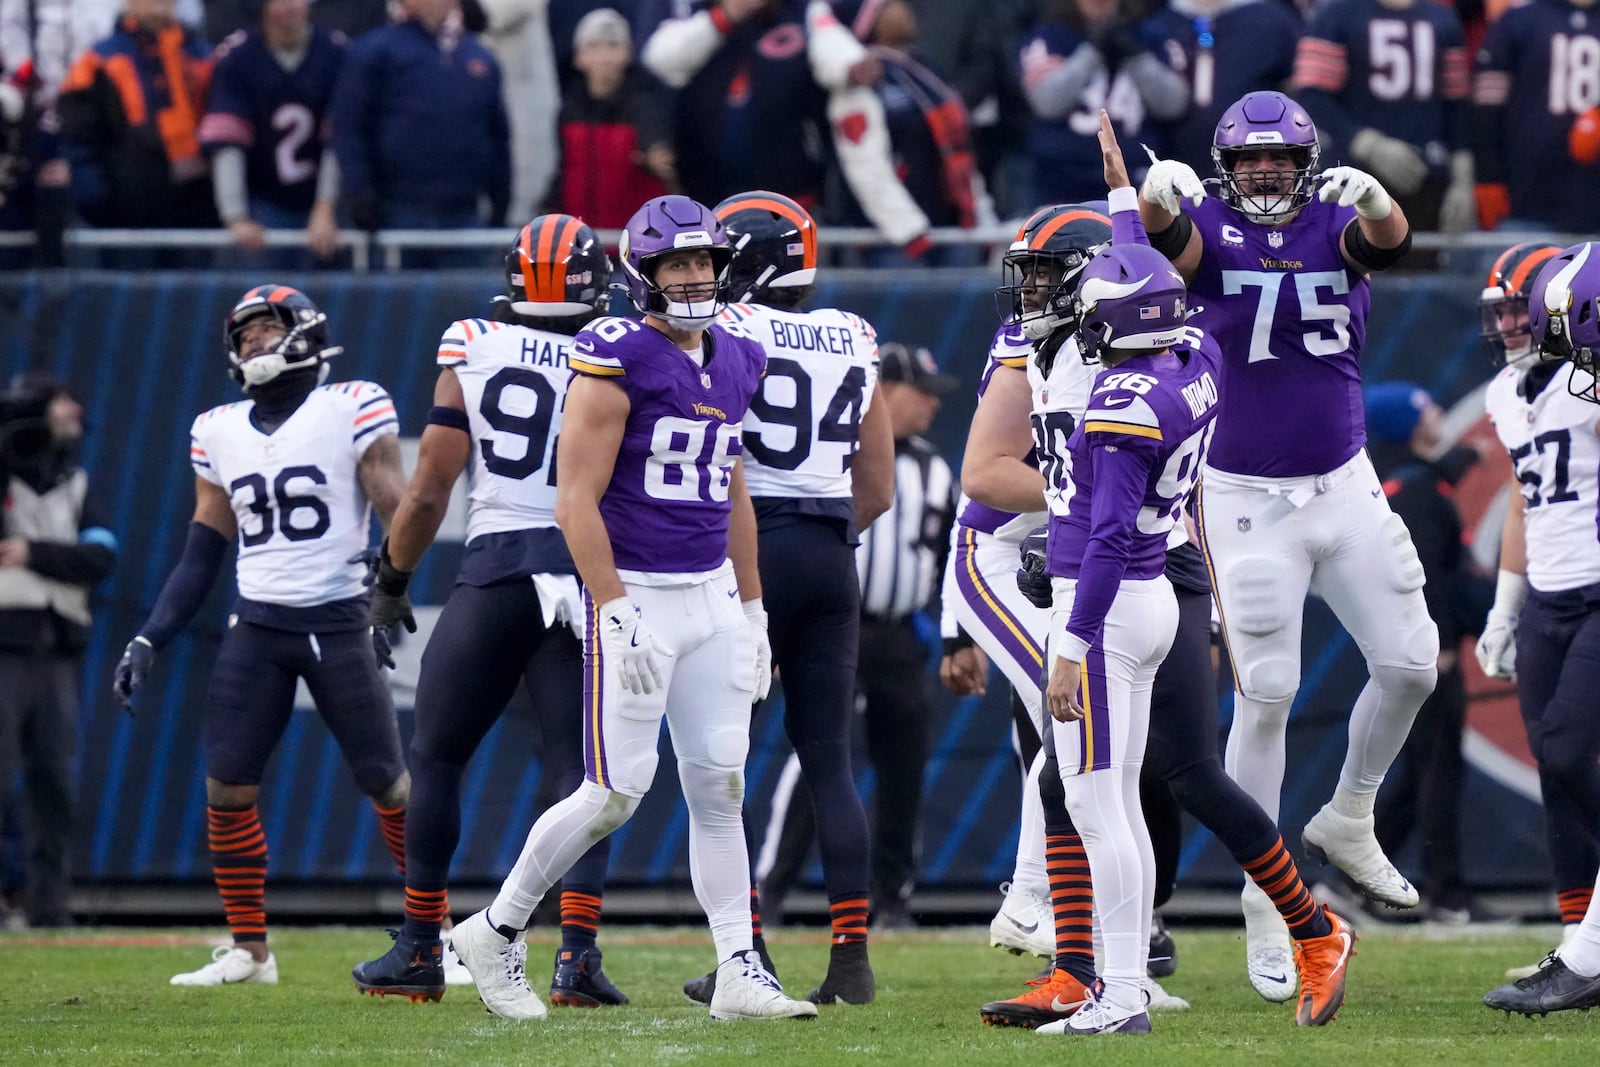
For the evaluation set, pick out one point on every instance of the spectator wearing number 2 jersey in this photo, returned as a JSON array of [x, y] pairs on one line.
[[264, 129]]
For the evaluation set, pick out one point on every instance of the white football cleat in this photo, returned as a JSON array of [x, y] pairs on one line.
[[1272, 970], [455, 972], [1025, 923], [498, 968], [1161, 1000], [1099, 1016], [1350, 845], [231, 965], [747, 990], [1568, 931]]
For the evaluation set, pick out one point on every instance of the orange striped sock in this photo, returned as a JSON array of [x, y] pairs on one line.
[[580, 918], [1275, 872], [426, 910], [1072, 902], [848, 914], [393, 821], [239, 864], [1574, 904], [755, 914]]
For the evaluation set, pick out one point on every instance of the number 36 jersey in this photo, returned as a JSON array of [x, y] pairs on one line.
[[297, 498], [804, 424], [1555, 452]]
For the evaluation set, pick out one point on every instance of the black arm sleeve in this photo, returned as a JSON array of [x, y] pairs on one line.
[[75, 563], [186, 586], [1171, 241], [1370, 255]]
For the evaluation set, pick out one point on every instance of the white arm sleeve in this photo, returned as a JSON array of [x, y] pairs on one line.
[[830, 46], [861, 140], [680, 47], [228, 185]]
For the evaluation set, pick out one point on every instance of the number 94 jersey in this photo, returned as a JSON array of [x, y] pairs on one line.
[[297, 499], [1556, 454], [804, 424], [514, 382]]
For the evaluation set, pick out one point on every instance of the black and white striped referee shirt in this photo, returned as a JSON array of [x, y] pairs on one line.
[[901, 556]]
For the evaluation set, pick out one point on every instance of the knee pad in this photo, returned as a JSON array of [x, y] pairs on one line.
[[712, 789], [727, 747], [609, 809], [1254, 602], [1405, 568], [1270, 681], [631, 771], [1409, 684]]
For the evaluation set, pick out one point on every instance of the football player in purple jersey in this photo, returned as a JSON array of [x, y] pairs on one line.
[[1289, 501], [652, 501], [1558, 638], [1544, 630]]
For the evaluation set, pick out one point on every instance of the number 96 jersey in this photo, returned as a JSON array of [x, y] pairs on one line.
[[297, 498], [514, 382], [1556, 455], [804, 424]]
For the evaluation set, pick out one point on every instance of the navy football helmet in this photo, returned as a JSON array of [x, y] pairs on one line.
[[1055, 242], [306, 344], [1503, 304], [774, 243]]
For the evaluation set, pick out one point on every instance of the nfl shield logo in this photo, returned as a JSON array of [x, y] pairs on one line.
[[1244, 524], [705, 379], [1275, 238]]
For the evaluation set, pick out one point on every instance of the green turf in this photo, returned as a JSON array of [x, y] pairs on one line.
[[102, 996]]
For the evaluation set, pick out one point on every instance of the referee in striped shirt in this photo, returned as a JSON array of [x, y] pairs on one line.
[[901, 560]]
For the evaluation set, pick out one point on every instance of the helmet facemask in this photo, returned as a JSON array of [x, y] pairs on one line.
[[1039, 287]]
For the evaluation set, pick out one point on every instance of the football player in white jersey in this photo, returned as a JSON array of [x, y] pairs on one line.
[[1278, 263], [1555, 650], [1543, 630], [819, 461], [294, 471], [514, 614], [652, 501]]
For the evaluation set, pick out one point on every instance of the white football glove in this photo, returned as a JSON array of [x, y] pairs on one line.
[[1497, 647], [1168, 183], [1355, 188], [627, 643], [1401, 165], [757, 615]]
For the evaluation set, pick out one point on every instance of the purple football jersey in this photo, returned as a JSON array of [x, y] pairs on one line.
[[1290, 317], [1132, 461], [667, 505]]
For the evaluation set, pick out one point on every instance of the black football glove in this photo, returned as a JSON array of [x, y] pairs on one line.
[[391, 605], [135, 664], [1032, 581]]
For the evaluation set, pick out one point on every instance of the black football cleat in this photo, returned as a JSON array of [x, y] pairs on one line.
[[413, 969], [702, 989], [579, 982], [1163, 962], [1553, 987], [849, 979]]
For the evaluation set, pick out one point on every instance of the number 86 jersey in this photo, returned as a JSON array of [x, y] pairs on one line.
[[297, 499]]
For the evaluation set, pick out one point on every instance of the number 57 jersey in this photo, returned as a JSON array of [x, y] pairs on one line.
[[296, 494], [804, 424]]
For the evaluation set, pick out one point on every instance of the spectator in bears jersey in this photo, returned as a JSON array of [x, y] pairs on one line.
[[131, 127], [616, 142], [420, 127], [264, 129], [1386, 81], [749, 115], [1536, 119]]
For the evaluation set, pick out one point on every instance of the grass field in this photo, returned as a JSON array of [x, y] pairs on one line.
[[102, 996]]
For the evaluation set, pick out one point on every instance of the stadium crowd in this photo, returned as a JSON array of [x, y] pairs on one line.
[[890, 114]]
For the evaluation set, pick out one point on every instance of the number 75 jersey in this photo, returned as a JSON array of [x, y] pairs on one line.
[[297, 497], [1555, 453], [804, 424]]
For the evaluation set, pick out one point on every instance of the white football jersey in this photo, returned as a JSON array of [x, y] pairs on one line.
[[1555, 451], [804, 424], [297, 498], [514, 380]]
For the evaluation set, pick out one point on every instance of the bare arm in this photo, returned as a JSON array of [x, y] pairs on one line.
[[995, 470], [382, 477], [592, 426], [1513, 542], [214, 508], [742, 536], [872, 468], [441, 458]]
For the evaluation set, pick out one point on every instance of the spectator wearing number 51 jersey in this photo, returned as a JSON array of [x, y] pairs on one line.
[[293, 472], [264, 128]]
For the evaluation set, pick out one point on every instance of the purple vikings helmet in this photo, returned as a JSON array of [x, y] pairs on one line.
[[1130, 299], [661, 227], [1564, 309], [1266, 120]]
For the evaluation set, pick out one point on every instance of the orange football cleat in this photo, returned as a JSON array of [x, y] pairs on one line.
[[1054, 996], [1322, 962]]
